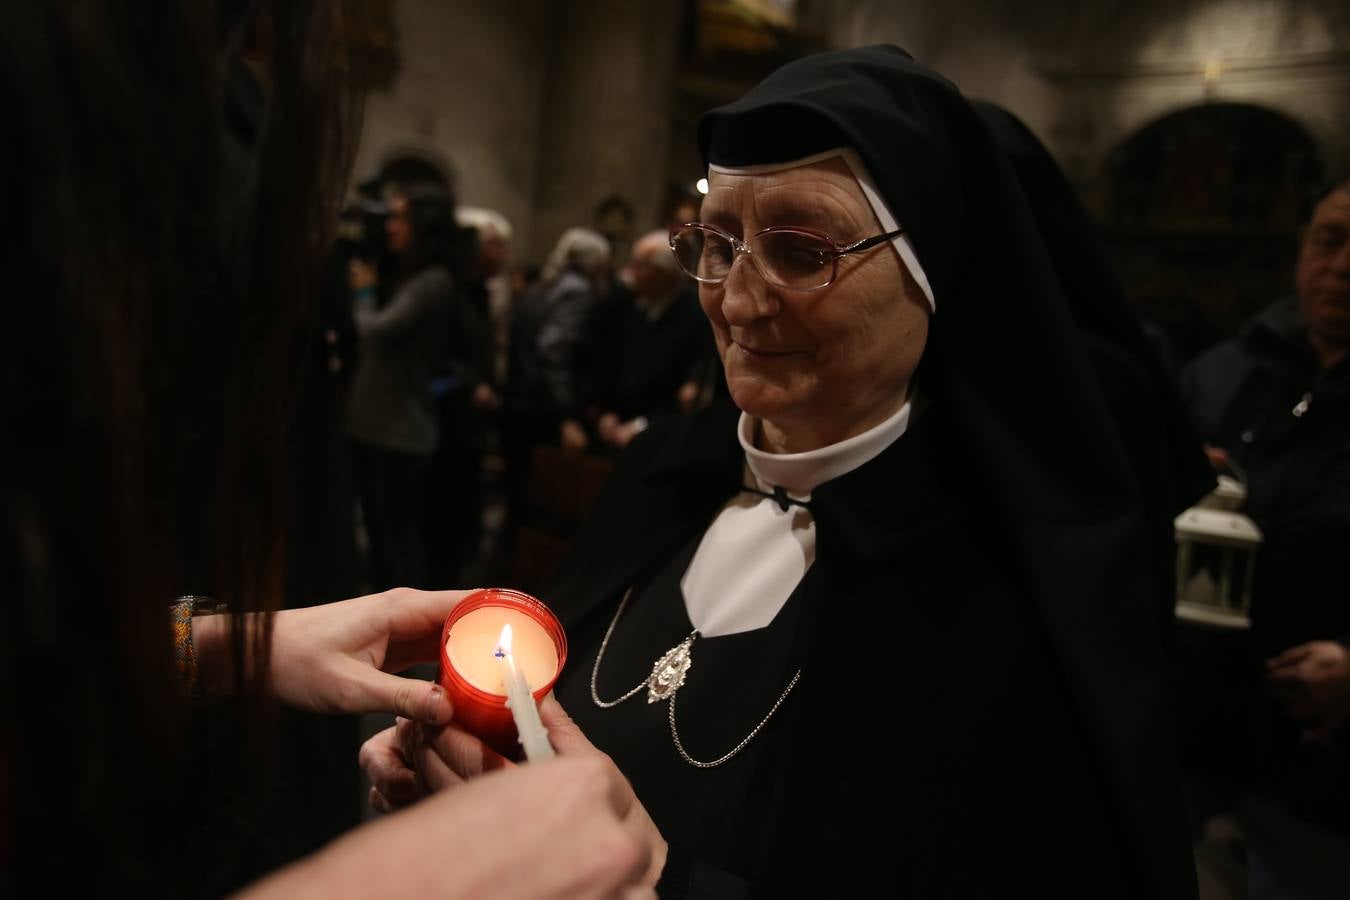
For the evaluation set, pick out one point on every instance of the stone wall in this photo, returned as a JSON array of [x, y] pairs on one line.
[[1086, 77], [607, 114], [545, 108], [470, 93], [540, 108]]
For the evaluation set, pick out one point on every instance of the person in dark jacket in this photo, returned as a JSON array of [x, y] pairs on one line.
[[883, 627], [1274, 403], [392, 416], [658, 347], [551, 368], [467, 398]]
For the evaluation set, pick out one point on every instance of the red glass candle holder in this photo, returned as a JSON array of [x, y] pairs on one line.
[[483, 713]]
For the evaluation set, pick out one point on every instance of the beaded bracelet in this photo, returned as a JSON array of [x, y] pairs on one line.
[[181, 612]]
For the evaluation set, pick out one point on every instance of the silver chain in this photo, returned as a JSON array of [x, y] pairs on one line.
[[595, 670], [649, 684]]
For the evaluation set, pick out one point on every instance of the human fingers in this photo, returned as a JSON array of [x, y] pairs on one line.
[[448, 755], [378, 802], [1289, 657], [366, 689], [568, 739], [387, 769], [571, 742], [431, 771], [411, 614], [563, 733], [556, 815], [595, 851]]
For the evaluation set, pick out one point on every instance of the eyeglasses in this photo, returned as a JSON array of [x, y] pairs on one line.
[[785, 256]]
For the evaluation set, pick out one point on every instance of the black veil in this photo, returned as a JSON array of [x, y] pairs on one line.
[[1006, 362]]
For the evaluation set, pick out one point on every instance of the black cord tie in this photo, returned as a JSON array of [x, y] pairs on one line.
[[780, 497]]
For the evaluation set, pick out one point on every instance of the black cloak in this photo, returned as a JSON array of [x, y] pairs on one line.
[[1004, 352], [997, 548], [1164, 452]]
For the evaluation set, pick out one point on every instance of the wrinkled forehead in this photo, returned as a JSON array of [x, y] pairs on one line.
[[821, 194], [807, 188]]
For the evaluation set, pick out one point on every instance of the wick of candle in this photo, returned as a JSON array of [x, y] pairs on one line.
[[520, 700]]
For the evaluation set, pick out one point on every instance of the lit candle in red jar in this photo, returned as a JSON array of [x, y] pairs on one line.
[[471, 672]]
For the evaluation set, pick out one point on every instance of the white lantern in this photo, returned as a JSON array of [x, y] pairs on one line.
[[1216, 559]]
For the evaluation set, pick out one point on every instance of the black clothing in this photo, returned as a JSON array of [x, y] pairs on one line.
[[1286, 423], [654, 357], [1009, 378], [1097, 300], [723, 700], [454, 509], [551, 377], [1164, 454], [933, 718], [551, 366]]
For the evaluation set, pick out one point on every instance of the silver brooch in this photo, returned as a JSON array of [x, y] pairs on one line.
[[668, 677], [668, 674]]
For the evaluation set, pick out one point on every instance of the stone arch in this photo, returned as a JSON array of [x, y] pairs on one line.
[[1212, 166], [1200, 204]]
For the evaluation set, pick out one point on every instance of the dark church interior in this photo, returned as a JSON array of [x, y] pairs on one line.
[[1125, 513]]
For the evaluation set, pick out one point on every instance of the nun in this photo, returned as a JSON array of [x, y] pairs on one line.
[[880, 624]]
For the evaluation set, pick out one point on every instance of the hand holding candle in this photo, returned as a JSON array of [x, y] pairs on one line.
[[532, 734], [477, 680]]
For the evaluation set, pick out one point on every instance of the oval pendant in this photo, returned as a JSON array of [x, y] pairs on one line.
[[668, 674]]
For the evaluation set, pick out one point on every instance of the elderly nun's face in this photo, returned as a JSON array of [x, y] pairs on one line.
[[816, 367]]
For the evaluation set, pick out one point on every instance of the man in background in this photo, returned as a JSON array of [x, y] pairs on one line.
[[660, 344], [1273, 404]]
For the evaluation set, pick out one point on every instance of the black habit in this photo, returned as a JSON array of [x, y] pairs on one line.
[[980, 711]]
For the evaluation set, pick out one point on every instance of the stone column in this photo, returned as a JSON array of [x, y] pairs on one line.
[[606, 113], [470, 94]]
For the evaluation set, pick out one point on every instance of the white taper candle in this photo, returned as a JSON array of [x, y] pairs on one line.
[[520, 700]]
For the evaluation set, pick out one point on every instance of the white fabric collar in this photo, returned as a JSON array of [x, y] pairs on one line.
[[903, 246], [755, 552], [801, 473]]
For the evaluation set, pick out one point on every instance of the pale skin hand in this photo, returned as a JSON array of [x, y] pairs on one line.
[[361, 275], [405, 764], [572, 436], [625, 434], [607, 427], [337, 658], [616, 432], [687, 396], [485, 398], [1313, 682], [410, 761], [554, 829]]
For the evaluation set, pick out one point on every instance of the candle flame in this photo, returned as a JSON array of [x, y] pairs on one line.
[[504, 642]]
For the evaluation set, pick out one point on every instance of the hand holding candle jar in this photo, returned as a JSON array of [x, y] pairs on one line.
[[473, 674]]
